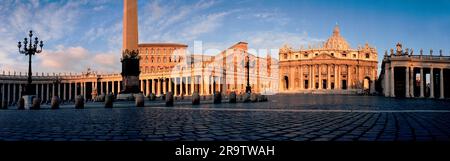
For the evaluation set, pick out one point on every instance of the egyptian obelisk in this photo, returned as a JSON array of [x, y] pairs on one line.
[[130, 58], [130, 25]]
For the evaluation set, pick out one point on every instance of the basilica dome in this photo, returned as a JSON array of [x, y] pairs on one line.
[[336, 41]]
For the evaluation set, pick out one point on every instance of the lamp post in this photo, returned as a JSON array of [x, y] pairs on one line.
[[248, 89], [30, 50]]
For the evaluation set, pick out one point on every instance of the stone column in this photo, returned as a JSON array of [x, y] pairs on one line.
[[107, 87], [218, 84], [411, 82], [64, 91], [387, 81], [14, 92], [186, 85], [42, 91], [147, 87], [292, 78], [101, 87], [441, 83], [209, 85], [329, 77], [313, 77], [175, 90], [170, 85], [113, 87], [59, 91], [310, 77], [153, 86], [373, 79], [84, 90], [53, 89], [320, 77], [3, 91], [9, 92], [338, 83], [193, 85], [336, 77], [164, 83], [422, 81], [407, 82], [431, 83], [119, 83], [301, 79], [201, 85], [47, 95], [349, 75], [70, 91], [392, 81], [76, 89]]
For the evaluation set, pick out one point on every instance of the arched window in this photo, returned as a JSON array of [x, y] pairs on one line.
[[367, 55]]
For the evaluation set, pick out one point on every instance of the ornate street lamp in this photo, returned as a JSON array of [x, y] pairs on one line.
[[30, 50]]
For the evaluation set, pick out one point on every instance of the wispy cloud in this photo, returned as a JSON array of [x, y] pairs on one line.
[[159, 22], [76, 59]]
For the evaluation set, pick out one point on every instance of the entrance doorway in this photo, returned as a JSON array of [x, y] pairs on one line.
[[286, 82], [344, 84]]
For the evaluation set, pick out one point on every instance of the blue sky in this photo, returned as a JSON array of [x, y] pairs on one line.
[[84, 33]]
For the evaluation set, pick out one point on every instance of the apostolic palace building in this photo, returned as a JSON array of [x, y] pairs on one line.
[[333, 67]]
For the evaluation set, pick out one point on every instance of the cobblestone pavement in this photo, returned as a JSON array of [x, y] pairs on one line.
[[300, 118]]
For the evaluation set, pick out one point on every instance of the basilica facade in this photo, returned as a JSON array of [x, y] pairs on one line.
[[332, 67]]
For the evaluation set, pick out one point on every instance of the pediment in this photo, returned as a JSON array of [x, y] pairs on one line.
[[324, 56]]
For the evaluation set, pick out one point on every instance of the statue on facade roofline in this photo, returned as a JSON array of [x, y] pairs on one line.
[[399, 49]]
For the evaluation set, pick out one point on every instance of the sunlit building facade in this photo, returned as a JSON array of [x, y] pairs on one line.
[[332, 67]]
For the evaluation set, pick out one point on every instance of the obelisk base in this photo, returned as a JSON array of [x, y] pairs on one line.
[[131, 85]]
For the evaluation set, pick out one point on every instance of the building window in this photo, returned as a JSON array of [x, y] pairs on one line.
[[344, 55], [332, 54], [296, 56], [285, 56], [306, 55], [354, 55], [316, 54], [367, 55]]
